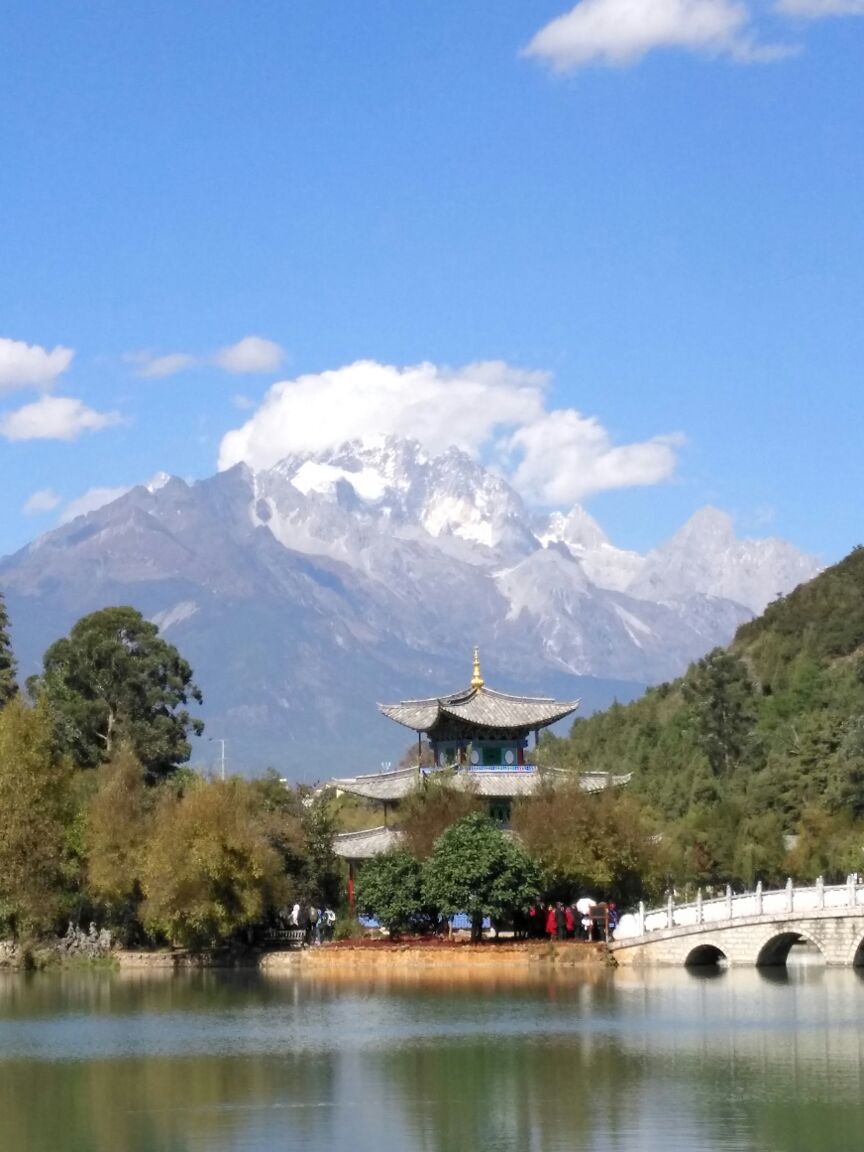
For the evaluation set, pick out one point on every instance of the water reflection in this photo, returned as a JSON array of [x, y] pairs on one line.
[[628, 1060]]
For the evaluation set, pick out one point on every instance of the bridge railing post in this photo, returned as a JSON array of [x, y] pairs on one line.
[[728, 901], [699, 915], [820, 891], [850, 890], [641, 918], [759, 898], [670, 911], [790, 895]]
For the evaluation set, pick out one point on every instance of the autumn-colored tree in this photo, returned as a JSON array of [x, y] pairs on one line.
[[209, 867], [431, 809], [828, 844], [34, 814], [117, 824], [602, 844]]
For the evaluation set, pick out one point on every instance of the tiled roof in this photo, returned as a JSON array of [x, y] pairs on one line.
[[394, 786], [600, 781], [481, 706], [379, 785], [512, 784], [369, 842]]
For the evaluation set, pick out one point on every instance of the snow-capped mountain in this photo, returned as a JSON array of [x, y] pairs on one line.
[[305, 593], [705, 556]]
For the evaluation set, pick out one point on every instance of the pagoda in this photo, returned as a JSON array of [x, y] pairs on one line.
[[480, 738]]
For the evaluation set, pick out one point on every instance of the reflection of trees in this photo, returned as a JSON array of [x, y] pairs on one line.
[[145, 991], [154, 1105], [511, 1092], [622, 1062]]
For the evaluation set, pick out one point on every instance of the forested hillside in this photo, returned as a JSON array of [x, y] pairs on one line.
[[760, 740]]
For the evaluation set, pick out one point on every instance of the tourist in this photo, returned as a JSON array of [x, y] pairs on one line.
[[295, 916], [560, 921], [314, 932], [329, 919], [612, 918], [569, 922], [587, 927], [551, 926]]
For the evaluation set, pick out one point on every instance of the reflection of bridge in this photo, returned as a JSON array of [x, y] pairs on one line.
[[757, 928]]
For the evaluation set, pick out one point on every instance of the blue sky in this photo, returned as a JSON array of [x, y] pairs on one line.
[[648, 220]]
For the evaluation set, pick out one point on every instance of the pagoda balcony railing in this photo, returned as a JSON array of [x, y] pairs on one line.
[[465, 767]]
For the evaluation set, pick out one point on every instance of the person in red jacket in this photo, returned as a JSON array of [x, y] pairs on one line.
[[551, 926], [569, 921]]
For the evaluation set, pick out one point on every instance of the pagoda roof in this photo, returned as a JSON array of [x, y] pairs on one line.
[[366, 843], [480, 706], [383, 786], [498, 782]]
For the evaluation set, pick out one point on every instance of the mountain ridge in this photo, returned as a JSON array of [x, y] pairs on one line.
[[305, 592]]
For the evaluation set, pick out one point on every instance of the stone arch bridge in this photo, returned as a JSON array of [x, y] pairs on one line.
[[755, 929]]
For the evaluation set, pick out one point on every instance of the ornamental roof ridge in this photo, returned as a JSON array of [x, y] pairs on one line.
[[447, 698], [384, 774]]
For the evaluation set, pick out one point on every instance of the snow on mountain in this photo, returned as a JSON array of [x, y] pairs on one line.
[[588, 630], [303, 593], [604, 564], [705, 556]]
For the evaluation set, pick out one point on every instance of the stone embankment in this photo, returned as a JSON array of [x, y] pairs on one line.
[[441, 960], [450, 960]]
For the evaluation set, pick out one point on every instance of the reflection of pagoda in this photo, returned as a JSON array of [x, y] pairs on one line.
[[480, 738]]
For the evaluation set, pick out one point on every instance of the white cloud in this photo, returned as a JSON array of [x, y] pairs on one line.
[[92, 499], [817, 9], [251, 354], [159, 367], [54, 418], [620, 32], [44, 500], [437, 406], [29, 365], [566, 456], [555, 455]]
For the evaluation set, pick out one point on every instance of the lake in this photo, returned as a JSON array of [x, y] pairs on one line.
[[665, 1060]]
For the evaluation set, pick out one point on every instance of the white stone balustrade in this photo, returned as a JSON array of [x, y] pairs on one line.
[[731, 906]]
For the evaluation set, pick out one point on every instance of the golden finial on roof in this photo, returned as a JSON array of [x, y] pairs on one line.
[[476, 678]]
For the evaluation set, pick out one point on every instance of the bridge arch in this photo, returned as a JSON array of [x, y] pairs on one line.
[[774, 951], [705, 955], [857, 957]]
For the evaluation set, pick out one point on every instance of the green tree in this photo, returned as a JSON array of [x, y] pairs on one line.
[[115, 678], [8, 683], [476, 869], [321, 882], [719, 694], [390, 888], [34, 815], [209, 869]]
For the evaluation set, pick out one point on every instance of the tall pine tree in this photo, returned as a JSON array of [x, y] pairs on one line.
[[8, 683]]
